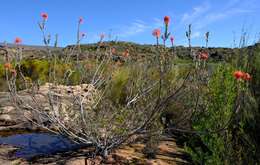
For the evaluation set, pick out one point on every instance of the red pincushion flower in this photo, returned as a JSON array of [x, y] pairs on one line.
[[166, 20], [81, 20], [44, 16], [238, 74], [204, 55], [8, 66], [18, 40], [246, 77], [157, 33]]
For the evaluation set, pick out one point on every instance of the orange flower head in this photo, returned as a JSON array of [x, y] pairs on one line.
[[18, 40], [238, 74], [8, 66], [44, 16], [246, 77], [157, 33], [204, 55], [167, 20]]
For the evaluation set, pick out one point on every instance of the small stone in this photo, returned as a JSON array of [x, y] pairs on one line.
[[5, 117], [7, 109]]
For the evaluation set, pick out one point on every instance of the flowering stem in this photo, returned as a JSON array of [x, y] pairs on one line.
[[46, 40], [157, 41], [78, 42], [165, 35], [173, 50]]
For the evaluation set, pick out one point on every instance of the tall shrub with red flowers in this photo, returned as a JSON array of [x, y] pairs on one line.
[[166, 33]]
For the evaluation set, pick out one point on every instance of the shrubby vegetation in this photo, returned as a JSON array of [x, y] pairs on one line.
[[119, 95], [227, 134], [229, 124]]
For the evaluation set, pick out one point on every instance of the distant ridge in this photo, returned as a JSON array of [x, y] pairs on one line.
[[28, 47], [111, 43]]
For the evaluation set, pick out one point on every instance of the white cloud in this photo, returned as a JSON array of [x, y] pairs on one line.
[[209, 12], [197, 12], [204, 14], [131, 29], [196, 35], [212, 17], [136, 27]]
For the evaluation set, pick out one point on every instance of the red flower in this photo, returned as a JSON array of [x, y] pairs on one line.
[[8, 66], [166, 20], [44, 16], [172, 39], [157, 33], [18, 40], [81, 20], [204, 55], [238, 74], [246, 77]]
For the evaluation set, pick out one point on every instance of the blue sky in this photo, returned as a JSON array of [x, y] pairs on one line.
[[131, 20]]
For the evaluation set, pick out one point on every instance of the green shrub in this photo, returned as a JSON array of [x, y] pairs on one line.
[[35, 69], [119, 81], [219, 104]]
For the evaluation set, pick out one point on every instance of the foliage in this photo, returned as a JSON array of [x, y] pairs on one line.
[[227, 124], [219, 101], [106, 93]]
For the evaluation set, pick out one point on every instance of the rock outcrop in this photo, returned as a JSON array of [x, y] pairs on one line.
[[62, 96]]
